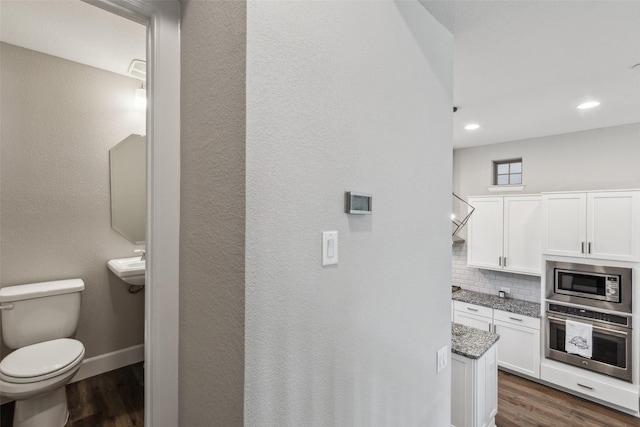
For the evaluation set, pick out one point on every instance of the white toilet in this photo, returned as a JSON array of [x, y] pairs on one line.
[[37, 321]]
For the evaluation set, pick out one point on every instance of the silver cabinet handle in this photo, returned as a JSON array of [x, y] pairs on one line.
[[472, 309], [589, 248], [585, 386], [515, 318], [582, 248], [500, 261], [504, 261]]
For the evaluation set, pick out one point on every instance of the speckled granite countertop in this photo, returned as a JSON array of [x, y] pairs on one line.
[[516, 306], [471, 342]]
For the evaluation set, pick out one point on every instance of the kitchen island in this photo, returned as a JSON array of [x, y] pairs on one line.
[[474, 377]]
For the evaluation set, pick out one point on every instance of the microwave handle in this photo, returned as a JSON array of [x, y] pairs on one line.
[[610, 331]]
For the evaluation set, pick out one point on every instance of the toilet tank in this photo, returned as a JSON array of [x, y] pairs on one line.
[[40, 312]]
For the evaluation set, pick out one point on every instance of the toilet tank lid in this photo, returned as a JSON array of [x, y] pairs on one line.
[[39, 290]]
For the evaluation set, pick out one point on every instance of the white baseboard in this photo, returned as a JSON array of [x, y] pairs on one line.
[[108, 362], [104, 363]]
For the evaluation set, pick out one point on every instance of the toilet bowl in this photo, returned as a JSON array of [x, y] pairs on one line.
[[35, 376], [37, 321]]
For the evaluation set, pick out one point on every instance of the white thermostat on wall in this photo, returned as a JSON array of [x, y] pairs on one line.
[[358, 203]]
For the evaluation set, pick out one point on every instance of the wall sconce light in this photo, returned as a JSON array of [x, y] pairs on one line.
[[140, 99]]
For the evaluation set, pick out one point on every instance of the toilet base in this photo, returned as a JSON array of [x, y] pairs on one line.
[[49, 410]]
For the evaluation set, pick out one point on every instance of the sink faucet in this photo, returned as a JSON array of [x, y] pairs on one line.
[[143, 253]]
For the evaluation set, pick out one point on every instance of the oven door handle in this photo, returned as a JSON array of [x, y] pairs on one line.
[[607, 330]]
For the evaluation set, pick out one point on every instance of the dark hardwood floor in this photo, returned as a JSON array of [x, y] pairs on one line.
[[113, 399], [524, 403], [116, 399]]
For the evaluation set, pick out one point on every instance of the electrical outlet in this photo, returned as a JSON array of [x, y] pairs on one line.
[[505, 290], [442, 359]]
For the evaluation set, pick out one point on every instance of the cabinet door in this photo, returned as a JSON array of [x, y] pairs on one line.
[[613, 225], [522, 229], [462, 393], [490, 389], [474, 390], [518, 348], [473, 320], [593, 385], [484, 236], [564, 224]]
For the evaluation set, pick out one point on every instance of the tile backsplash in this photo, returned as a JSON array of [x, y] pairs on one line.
[[522, 286]]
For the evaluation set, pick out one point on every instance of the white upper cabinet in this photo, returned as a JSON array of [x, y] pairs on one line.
[[522, 227], [564, 219], [485, 233], [613, 225], [504, 234], [600, 225]]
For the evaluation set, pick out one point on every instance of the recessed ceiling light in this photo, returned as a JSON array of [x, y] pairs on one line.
[[587, 105], [472, 126]]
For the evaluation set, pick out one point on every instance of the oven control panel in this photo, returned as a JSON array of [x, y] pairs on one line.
[[612, 288], [590, 314]]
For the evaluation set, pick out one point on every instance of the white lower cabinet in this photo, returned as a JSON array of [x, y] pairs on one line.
[[519, 342], [519, 335], [591, 385], [474, 390], [476, 316]]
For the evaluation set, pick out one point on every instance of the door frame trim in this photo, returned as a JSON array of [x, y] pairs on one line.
[[162, 19]]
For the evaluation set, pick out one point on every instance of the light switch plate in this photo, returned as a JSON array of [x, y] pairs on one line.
[[329, 247], [442, 359]]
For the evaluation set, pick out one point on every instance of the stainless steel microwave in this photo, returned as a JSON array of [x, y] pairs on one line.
[[591, 285]]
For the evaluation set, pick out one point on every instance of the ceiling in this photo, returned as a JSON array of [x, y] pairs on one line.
[[520, 66], [73, 30]]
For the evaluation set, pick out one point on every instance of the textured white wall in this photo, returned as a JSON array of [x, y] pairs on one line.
[[59, 120], [347, 96]]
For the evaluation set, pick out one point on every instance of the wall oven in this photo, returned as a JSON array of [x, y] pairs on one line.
[[609, 288], [611, 340]]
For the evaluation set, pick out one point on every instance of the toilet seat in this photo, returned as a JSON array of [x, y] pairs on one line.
[[41, 361]]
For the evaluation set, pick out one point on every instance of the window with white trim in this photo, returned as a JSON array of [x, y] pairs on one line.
[[507, 172]]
